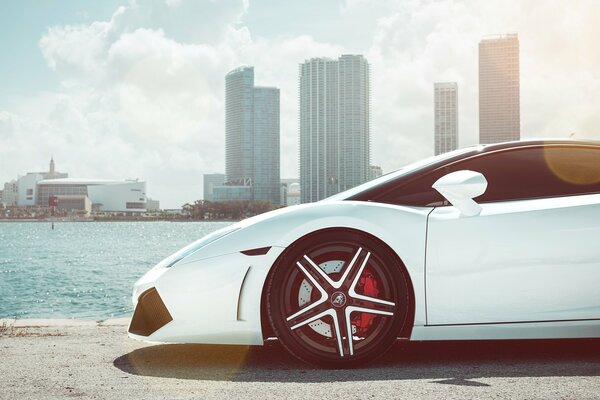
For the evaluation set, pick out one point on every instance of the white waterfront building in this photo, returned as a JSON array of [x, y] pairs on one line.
[[27, 189], [27, 184], [105, 195]]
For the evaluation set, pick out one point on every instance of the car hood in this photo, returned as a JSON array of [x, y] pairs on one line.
[[280, 228]]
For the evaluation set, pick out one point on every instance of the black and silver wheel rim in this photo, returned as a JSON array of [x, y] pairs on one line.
[[339, 300]]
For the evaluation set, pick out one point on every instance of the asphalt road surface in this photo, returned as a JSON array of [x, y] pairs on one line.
[[100, 362]]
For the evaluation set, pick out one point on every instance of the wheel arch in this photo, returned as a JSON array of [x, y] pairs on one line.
[[406, 330]]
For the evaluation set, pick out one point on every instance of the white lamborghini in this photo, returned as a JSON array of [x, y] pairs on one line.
[[489, 242]]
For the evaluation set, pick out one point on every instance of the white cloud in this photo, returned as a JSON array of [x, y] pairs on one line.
[[135, 102], [424, 42], [141, 95]]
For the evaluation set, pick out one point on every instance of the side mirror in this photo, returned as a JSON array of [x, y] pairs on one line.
[[460, 187]]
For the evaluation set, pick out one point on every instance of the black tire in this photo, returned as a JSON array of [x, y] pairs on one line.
[[337, 298]]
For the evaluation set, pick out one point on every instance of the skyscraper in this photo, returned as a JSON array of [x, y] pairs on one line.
[[334, 125], [266, 179], [499, 87], [445, 110], [251, 140]]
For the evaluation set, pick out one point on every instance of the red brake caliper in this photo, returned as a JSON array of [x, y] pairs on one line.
[[363, 321]]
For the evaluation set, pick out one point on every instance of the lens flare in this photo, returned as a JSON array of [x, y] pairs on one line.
[[571, 169]]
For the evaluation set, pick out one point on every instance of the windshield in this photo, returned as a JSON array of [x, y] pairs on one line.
[[399, 173]]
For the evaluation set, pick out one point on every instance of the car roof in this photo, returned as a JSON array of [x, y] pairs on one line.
[[537, 142]]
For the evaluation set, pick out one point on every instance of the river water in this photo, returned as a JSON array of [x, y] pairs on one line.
[[83, 270]]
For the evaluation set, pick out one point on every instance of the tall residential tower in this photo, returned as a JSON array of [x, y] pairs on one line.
[[499, 87], [445, 110], [334, 125], [251, 140]]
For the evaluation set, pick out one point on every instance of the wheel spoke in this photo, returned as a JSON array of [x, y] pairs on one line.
[[353, 278], [317, 273], [307, 314], [351, 309], [348, 312], [368, 301], [364, 299], [346, 327], [313, 318], [348, 274], [356, 276], [315, 284], [338, 333], [349, 269], [376, 305], [336, 326]]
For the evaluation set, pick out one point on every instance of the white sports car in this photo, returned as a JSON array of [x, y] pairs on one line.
[[489, 242]]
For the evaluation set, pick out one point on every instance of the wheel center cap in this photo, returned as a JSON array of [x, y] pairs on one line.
[[338, 299]]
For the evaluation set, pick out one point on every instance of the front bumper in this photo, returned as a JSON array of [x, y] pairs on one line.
[[150, 314], [215, 300]]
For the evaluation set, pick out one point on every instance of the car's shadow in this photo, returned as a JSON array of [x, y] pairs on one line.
[[456, 363]]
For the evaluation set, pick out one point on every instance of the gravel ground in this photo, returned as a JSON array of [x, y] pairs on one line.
[[66, 359]]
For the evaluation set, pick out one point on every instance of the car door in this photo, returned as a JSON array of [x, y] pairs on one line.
[[533, 253]]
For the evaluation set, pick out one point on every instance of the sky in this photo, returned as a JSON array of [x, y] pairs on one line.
[[135, 89]]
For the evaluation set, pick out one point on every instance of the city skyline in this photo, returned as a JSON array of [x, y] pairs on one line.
[[119, 89]]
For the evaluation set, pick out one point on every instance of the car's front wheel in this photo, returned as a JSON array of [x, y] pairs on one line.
[[337, 298]]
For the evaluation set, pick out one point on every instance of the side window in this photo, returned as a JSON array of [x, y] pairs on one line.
[[417, 191], [538, 172]]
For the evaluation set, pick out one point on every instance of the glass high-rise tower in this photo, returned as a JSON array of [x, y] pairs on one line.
[[445, 113], [252, 167], [499, 89], [334, 125]]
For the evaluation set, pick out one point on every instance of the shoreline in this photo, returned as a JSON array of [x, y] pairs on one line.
[[62, 322], [119, 220]]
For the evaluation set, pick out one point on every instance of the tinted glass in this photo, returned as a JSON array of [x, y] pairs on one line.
[[537, 172], [377, 187], [514, 174], [418, 191]]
